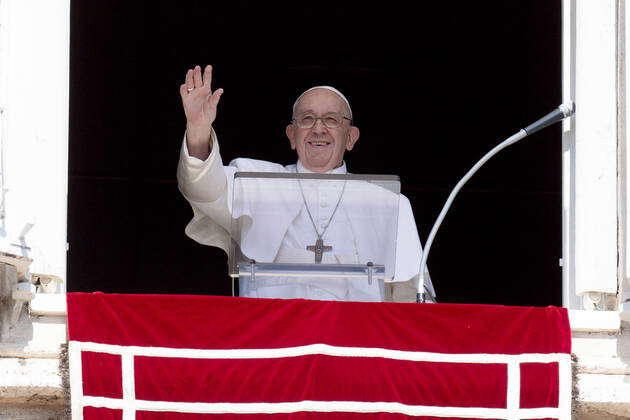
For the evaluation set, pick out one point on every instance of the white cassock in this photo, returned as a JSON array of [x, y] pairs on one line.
[[208, 186]]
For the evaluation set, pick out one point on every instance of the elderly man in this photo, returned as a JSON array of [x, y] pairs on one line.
[[321, 132]]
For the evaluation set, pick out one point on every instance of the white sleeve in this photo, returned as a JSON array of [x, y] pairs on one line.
[[201, 181], [205, 185]]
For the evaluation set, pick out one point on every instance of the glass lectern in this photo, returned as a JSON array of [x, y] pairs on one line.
[[335, 234]]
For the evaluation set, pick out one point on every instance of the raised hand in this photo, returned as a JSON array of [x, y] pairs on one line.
[[200, 107]]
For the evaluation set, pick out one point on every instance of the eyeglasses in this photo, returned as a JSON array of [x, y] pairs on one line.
[[329, 120]]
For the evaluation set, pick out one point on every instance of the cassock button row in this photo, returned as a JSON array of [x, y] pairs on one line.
[[323, 203]]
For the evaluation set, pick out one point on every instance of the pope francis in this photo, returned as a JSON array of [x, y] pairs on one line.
[[320, 226]]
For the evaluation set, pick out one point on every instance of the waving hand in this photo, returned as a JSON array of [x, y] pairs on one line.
[[200, 106]]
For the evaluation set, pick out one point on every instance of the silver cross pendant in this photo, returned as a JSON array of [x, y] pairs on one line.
[[319, 248]]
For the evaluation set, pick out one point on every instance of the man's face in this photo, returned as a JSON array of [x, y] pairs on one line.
[[320, 148]]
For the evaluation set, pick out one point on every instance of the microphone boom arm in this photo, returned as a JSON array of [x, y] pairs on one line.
[[560, 113]]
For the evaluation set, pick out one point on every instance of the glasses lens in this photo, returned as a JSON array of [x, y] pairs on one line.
[[332, 121], [306, 121], [309, 120]]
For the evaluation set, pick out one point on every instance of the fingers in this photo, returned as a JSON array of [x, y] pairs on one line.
[[207, 76], [197, 77], [190, 84], [183, 90], [213, 99], [195, 80]]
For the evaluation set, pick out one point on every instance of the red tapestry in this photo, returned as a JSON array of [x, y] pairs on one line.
[[150, 357]]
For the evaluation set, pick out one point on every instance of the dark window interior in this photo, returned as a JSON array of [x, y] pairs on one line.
[[432, 87]]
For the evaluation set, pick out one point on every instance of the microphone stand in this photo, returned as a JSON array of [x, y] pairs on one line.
[[560, 113]]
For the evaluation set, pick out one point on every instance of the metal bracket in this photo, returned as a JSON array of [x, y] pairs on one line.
[[252, 270], [370, 272]]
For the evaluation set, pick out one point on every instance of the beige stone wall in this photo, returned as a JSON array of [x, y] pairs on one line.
[[31, 385], [602, 369], [32, 412]]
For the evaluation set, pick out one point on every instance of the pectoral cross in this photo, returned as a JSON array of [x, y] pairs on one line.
[[319, 248]]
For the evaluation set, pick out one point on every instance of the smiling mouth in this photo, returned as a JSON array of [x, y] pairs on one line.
[[318, 143]]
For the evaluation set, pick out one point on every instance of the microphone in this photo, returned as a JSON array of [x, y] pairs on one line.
[[560, 113]]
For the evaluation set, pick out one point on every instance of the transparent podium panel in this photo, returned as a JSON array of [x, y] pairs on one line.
[[332, 235]]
